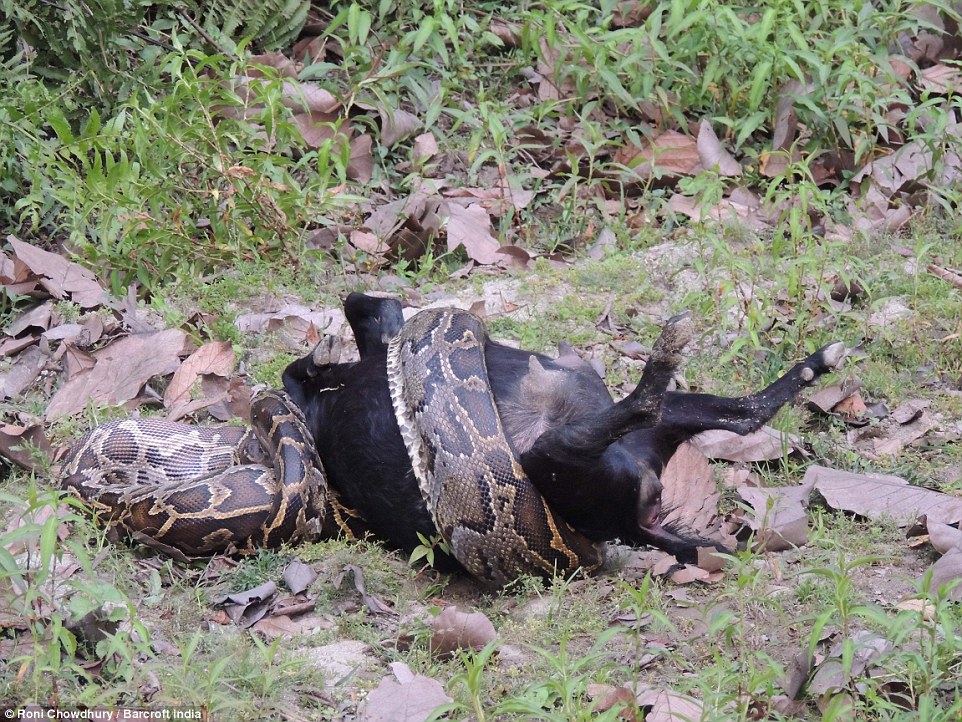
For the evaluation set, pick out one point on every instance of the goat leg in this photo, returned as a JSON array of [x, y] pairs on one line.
[[575, 443]]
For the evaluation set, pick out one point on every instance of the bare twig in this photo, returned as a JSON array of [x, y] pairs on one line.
[[946, 274], [217, 46]]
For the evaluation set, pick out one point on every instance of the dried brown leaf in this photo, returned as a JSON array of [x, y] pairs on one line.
[[604, 241], [17, 277], [948, 570], [832, 676], [774, 164], [317, 128], [360, 167], [470, 226], [216, 357], [942, 79], [712, 154], [22, 373], [740, 207], [281, 63], [852, 409], [70, 332], [120, 372], [60, 277], [501, 198], [943, 537], [828, 397], [21, 445], [425, 147], [236, 404], [453, 629], [369, 243], [689, 573], [898, 437], [670, 154], [298, 576], [762, 445], [631, 13], [298, 96], [797, 673], [326, 238], [709, 559], [12, 346], [555, 82], [667, 706], [689, 490], [37, 317], [946, 274], [779, 520], [408, 697], [388, 218], [508, 33], [396, 125], [374, 604], [909, 411], [876, 496], [76, 362], [660, 563], [247, 607], [786, 119], [295, 319], [513, 257], [911, 163], [605, 697], [282, 625]]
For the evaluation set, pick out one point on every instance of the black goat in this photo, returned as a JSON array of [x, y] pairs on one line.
[[596, 462]]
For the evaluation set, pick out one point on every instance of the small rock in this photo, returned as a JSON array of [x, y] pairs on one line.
[[341, 659], [888, 311]]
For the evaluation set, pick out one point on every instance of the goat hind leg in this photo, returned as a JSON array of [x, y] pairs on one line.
[[578, 443], [689, 414]]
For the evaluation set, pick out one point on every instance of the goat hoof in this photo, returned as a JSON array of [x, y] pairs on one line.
[[833, 355], [675, 335], [327, 352]]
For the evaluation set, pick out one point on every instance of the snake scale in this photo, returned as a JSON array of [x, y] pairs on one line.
[[487, 510], [193, 491]]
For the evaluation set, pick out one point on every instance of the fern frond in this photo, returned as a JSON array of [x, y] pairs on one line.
[[272, 24]]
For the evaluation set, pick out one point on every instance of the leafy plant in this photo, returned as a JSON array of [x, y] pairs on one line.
[[67, 620], [425, 550], [244, 184]]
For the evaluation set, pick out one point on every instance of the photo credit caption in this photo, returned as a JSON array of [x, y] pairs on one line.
[[104, 714]]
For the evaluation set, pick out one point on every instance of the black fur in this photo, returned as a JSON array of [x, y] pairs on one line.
[[596, 462]]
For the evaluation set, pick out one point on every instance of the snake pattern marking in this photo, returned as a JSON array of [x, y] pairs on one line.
[[495, 521], [194, 491]]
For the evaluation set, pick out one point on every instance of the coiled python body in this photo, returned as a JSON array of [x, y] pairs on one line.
[[193, 491], [487, 510]]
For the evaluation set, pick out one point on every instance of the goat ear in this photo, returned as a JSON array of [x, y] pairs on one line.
[[567, 356], [648, 510]]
